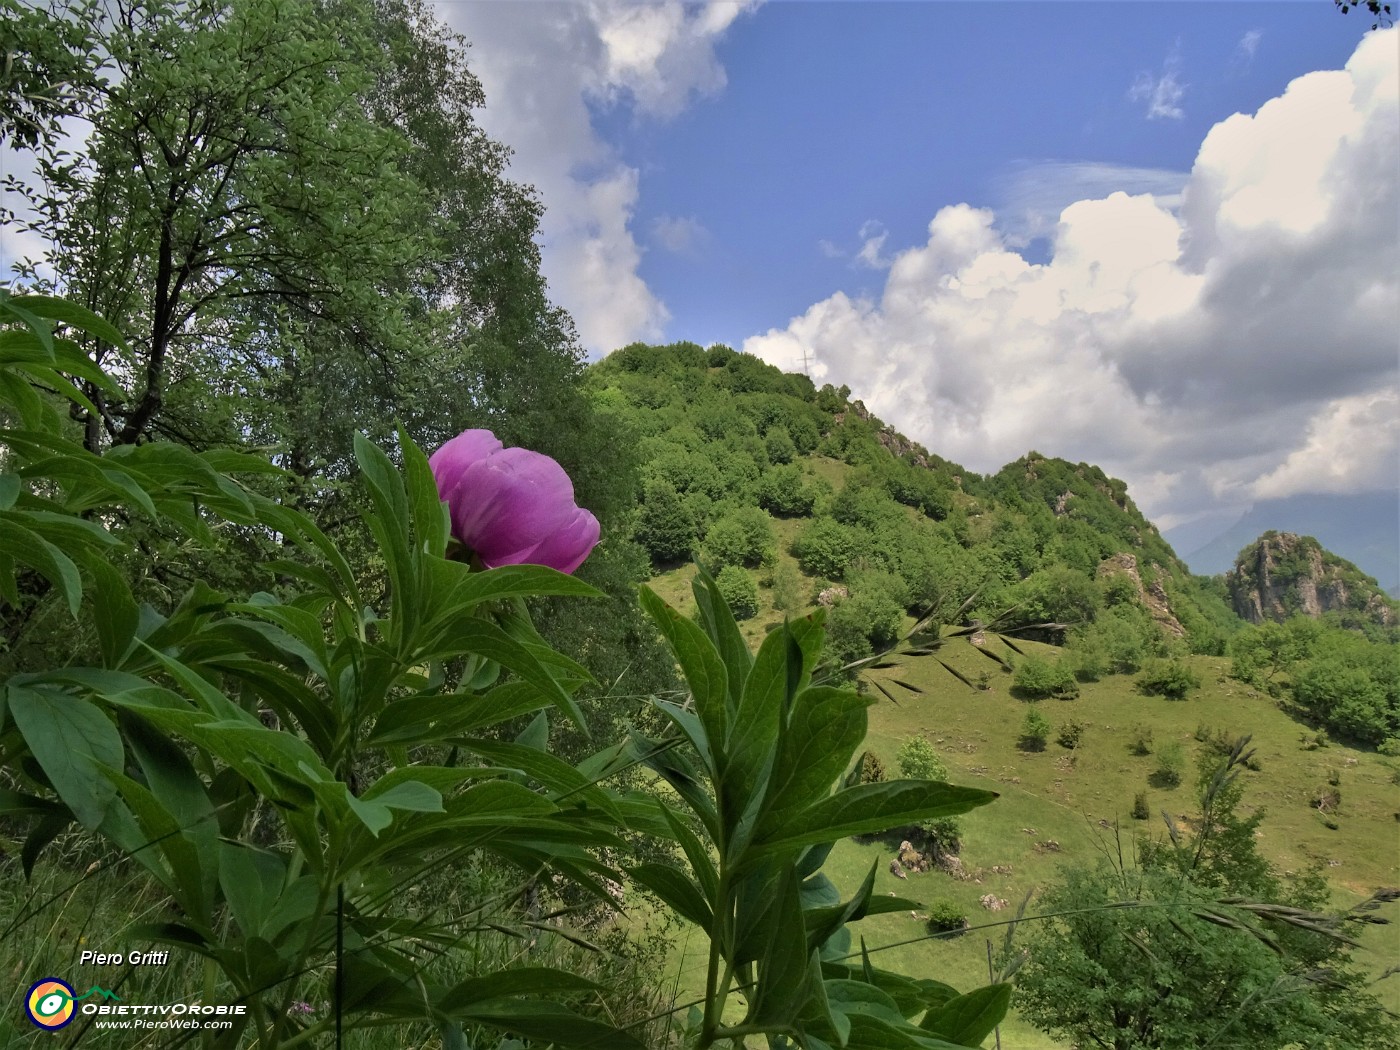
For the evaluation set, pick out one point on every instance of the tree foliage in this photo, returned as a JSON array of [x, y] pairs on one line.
[[1147, 955]]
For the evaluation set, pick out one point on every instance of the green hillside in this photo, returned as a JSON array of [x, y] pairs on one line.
[[798, 497]]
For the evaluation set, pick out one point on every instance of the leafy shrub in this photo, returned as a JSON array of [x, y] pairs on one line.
[[1169, 678], [1118, 589], [1035, 730], [785, 491], [917, 760], [826, 548], [1036, 678], [846, 641], [1140, 810], [872, 613], [1171, 760], [944, 916], [1057, 594], [1390, 746], [872, 770], [1070, 734], [787, 588], [778, 443], [738, 590], [665, 527], [742, 537], [1353, 687], [1140, 741], [1117, 642]]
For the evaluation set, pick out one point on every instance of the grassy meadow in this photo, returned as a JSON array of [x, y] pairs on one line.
[[1062, 806]]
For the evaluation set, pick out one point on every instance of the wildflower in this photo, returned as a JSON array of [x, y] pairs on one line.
[[512, 506]]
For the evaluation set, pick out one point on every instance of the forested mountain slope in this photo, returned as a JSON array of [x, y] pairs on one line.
[[740, 461]]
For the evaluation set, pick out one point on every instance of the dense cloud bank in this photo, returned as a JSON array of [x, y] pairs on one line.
[[1237, 344]]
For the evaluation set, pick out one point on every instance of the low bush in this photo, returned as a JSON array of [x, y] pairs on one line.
[[739, 591], [1140, 743], [1170, 762], [1070, 734], [1037, 679], [944, 916], [1169, 678], [1035, 730]]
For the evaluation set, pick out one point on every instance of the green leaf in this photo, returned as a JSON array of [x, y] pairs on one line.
[[823, 922], [554, 773], [719, 623], [434, 719], [436, 779], [429, 513], [175, 784], [550, 1023], [824, 729], [66, 312], [15, 307], [161, 832], [252, 881], [754, 734], [877, 1032], [704, 671], [869, 808], [73, 742], [678, 892], [970, 1018], [389, 523], [702, 866], [48, 828], [114, 612], [471, 634], [39, 554], [785, 965], [674, 766]]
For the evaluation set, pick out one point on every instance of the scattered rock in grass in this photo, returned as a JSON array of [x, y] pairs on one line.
[[992, 902], [952, 865]]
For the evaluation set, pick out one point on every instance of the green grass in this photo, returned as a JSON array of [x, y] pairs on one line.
[[1075, 800]]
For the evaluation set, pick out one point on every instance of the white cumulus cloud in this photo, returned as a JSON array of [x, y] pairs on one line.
[[543, 65], [1232, 341]]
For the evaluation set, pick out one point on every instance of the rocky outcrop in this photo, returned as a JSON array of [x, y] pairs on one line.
[[1152, 596], [1280, 575]]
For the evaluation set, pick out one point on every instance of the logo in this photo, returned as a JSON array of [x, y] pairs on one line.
[[49, 1003]]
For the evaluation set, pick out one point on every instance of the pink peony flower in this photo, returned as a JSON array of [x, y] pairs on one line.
[[512, 506]]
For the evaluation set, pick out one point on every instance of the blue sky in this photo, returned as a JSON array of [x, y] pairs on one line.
[[1159, 237], [835, 115]]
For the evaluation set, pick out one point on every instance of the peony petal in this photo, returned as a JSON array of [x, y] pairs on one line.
[[567, 548], [451, 461], [508, 504]]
